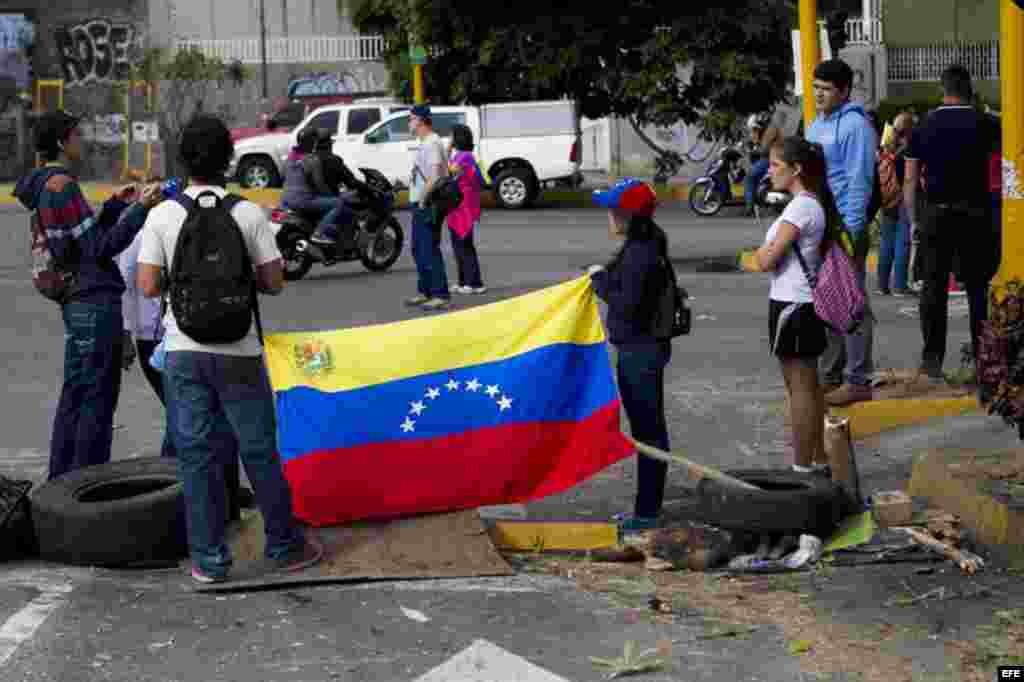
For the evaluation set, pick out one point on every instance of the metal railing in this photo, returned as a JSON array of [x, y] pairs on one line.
[[297, 50], [925, 63], [861, 32]]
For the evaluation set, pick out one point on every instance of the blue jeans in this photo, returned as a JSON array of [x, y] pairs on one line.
[[432, 279], [466, 260], [894, 254], [849, 357], [340, 215], [641, 378], [213, 403], [757, 172], [83, 427]]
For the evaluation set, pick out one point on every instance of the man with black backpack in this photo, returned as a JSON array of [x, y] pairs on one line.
[[210, 253]]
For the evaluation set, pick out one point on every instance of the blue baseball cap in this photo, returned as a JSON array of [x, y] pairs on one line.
[[421, 111], [629, 195]]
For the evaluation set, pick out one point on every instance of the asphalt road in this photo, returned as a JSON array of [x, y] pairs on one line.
[[724, 394]]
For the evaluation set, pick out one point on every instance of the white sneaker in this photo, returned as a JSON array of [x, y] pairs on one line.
[[436, 304], [475, 290], [459, 289]]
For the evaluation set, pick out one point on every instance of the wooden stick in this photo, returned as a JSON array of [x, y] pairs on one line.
[[968, 562], [697, 471]]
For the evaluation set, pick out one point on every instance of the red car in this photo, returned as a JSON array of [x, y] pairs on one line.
[[287, 114]]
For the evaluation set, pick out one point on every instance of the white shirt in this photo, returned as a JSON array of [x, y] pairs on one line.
[[141, 315], [429, 156], [789, 283], [159, 237]]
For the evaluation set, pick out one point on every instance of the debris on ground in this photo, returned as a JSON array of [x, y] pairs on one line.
[[968, 562], [632, 662]]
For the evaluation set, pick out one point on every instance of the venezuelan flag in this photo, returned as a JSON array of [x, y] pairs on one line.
[[497, 404]]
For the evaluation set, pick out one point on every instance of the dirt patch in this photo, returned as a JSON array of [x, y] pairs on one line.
[[1001, 643], [736, 606]]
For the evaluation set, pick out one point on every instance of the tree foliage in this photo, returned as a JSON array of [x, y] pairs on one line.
[[652, 61]]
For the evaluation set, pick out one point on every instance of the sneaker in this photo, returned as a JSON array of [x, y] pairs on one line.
[[883, 292], [436, 304], [322, 240], [205, 578], [848, 394], [476, 290], [904, 293], [308, 555], [462, 290], [418, 299]]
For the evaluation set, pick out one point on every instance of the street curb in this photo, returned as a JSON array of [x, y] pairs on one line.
[[97, 193], [938, 476], [878, 416]]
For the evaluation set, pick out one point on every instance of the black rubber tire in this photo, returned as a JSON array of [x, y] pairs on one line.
[[789, 503], [266, 169], [296, 265], [516, 188], [373, 265], [703, 207], [112, 514]]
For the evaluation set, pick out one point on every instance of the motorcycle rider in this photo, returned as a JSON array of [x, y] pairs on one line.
[[327, 172], [299, 193], [763, 134]]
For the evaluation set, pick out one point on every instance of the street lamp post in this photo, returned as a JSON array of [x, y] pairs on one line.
[[1011, 69], [263, 47], [809, 55]]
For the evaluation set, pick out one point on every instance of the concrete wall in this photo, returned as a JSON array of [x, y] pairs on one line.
[[916, 23], [226, 19]]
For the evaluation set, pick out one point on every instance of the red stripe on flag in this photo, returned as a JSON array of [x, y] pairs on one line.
[[500, 465]]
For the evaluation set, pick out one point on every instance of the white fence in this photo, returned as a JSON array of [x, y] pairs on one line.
[[298, 50], [861, 32], [927, 62]]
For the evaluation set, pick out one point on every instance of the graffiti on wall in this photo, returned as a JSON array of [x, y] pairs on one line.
[[349, 81], [97, 50]]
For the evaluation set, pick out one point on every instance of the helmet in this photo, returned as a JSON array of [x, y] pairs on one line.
[[307, 138], [324, 138]]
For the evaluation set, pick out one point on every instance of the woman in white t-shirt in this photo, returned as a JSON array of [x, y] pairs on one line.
[[797, 335]]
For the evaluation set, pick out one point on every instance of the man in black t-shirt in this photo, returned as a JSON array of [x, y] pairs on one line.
[[954, 146]]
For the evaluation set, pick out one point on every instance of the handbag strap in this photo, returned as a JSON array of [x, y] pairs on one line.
[[812, 278]]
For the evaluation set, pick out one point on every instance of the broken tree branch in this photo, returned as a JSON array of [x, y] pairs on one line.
[[969, 563], [696, 471]]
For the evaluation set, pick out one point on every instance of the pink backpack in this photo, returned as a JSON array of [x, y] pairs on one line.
[[839, 299]]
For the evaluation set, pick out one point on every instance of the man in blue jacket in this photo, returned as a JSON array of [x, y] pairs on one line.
[[851, 154]]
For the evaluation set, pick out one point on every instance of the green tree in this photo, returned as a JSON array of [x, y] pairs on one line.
[[182, 79], [650, 61]]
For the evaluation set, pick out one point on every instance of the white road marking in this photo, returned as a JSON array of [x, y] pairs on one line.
[[486, 662], [413, 614], [53, 589]]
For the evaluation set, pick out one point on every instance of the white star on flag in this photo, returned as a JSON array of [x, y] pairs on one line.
[[452, 385], [408, 425], [505, 403], [472, 385], [433, 393], [493, 390], [417, 407]]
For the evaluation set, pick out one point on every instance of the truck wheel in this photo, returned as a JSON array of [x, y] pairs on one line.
[[516, 188], [788, 503], [112, 514], [258, 173]]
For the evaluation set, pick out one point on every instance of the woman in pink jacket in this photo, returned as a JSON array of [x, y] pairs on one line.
[[464, 219]]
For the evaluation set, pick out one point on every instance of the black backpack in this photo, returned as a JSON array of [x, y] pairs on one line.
[[212, 287], [671, 316]]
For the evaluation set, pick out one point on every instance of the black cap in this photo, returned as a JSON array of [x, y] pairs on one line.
[[52, 128]]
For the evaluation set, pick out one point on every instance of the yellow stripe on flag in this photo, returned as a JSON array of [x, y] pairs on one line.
[[565, 313]]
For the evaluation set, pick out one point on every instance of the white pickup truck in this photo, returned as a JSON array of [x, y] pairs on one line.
[[520, 146], [259, 161]]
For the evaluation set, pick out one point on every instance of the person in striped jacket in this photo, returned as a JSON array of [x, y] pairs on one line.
[[83, 245]]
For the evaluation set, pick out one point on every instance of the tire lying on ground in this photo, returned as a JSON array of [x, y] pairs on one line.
[[788, 503], [114, 514]]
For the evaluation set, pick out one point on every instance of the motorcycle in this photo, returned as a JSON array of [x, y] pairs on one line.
[[378, 239], [714, 190]]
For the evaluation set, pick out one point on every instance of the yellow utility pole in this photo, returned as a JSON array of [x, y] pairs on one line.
[[1011, 69], [417, 83], [810, 55]]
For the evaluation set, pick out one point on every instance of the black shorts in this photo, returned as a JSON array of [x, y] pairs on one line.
[[802, 334]]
